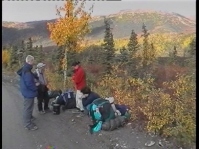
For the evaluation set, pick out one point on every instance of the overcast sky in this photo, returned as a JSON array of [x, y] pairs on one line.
[[24, 11]]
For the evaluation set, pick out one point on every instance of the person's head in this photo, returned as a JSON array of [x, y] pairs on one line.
[[30, 59], [86, 91], [76, 65], [41, 67]]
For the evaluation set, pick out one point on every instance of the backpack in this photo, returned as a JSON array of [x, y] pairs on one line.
[[122, 108], [67, 99], [100, 111]]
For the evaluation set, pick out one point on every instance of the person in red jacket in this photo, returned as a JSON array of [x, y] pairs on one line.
[[79, 79]]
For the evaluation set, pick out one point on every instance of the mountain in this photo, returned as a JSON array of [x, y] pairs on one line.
[[121, 23], [192, 17]]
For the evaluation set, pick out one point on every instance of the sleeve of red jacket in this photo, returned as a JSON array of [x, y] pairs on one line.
[[79, 76]]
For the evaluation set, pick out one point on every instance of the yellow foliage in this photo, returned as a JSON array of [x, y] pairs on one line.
[[72, 24], [5, 57], [163, 43], [186, 41], [168, 114]]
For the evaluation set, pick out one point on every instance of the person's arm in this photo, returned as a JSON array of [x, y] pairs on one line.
[[85, 101], [88, 100], [29, 81]]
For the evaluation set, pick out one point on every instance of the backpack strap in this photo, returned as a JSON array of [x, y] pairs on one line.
[[64, 98]]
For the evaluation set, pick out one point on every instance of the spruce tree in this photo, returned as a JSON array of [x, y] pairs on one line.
[[132, 47], [39, 53], [58, 59], [108, 46], [124, 55], [173, 55], [29, 47], [152, 52], [191, 61], [22, 52], [192, 47], [133, 43], [14, 57], [145, 45]]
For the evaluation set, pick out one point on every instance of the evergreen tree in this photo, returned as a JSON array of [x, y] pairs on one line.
[[13, 57], [22, 53], [133, 43], [58, 59], [124, 55], [173, 55], [145, 45], [71, 57], [174, 52], [132, 47], [40, 53], [29, 47], [152, 52], [191, 61], [108, 46], [192, 47]]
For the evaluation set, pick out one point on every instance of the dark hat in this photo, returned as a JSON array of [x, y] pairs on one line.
[[75, 63]]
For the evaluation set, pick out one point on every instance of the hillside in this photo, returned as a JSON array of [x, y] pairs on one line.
[[122, 23]]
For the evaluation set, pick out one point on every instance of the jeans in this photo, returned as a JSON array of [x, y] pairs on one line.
[[27, 111]]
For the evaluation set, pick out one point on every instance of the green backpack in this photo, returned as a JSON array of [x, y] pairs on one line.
[[100, 111]]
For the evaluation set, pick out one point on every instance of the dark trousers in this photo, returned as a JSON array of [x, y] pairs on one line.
[[27, 111], [42, 98], [41, 101]]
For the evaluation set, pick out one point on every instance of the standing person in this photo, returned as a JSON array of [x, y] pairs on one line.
[[29, 91], [79, 79], [42, 88]]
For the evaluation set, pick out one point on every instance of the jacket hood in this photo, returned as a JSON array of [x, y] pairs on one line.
[[26, 67]]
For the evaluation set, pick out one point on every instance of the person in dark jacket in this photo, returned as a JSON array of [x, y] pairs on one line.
[[28, 88], [79, 79], [42, 88], [88, 96]]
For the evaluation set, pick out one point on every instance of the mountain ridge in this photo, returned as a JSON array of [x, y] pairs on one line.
[[122, 23]]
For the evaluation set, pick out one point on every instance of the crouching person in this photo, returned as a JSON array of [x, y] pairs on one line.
[[52, 94], [122, 115], [106, 116], [66, 100], [87, 98], [100, 110]]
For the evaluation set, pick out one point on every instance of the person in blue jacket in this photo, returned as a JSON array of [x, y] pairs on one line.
[[88, 97], [29, 90]]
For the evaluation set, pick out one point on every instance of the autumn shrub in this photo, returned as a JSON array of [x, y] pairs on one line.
[[184, 109], [168, 111], [172, 115], [5, 58]]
